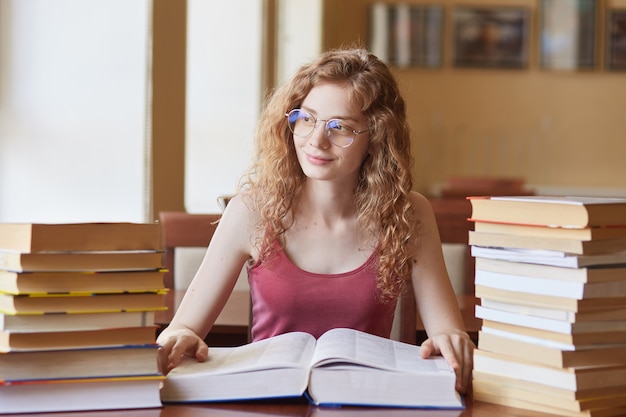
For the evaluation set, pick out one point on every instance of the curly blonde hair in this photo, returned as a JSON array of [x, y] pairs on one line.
[[384, 181]]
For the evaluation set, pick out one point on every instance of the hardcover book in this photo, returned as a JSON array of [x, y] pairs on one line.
[[573, 246], [66, 237], [592, 274], [80, 394], [42, 341], [547, 353], [549, 257], [289, 365], [585, 233], [81, 303], [116, 361], [570, 378], [64, 322], [608, 402], [574, 212], [81, 261], [549, 286], [80, 282]]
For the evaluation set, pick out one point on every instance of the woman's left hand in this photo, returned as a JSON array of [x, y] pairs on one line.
[[458, 350]]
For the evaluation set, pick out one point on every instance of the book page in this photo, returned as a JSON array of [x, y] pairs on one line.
[[347, 346], [290, 350]]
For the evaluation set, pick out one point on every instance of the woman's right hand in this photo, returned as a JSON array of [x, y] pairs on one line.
[[175, 344]]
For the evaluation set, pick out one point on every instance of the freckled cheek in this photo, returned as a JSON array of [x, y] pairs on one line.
[[299, 142]]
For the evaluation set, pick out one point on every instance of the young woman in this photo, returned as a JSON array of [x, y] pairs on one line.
[[327, 222]]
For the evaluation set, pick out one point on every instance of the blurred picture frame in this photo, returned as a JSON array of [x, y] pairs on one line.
[[616, 40], [568, 34], [491, 37]]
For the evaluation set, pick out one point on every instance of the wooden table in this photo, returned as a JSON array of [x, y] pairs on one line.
[[231, 327], [296, 408]]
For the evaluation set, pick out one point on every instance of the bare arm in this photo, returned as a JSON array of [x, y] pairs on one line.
[[436, 301], [213, 283]]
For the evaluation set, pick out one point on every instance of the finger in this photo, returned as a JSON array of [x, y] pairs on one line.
[[181, 348], [162, 361], [163, 356], [202, 352], [462, 378], [465, 356], [448, 352], [427, 348], [192, 347], [468, 366], [452, 358]]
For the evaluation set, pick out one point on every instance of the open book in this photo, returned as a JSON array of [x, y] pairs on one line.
[[343, 367]]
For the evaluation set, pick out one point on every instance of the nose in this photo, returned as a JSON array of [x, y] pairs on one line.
[[319, 138]]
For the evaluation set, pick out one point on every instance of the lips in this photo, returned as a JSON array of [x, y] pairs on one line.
[[317, 160]]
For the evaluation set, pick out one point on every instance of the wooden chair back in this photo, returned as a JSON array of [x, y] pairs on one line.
[[181, 229]]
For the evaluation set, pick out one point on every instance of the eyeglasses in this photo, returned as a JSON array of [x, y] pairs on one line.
[[302, 124]]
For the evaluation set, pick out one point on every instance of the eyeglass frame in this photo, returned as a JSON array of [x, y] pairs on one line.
[[327, 130]]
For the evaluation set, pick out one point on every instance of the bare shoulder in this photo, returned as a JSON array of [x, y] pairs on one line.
[[421, 205], [427, 231], [238, 202], [237, 227], [239, 212]]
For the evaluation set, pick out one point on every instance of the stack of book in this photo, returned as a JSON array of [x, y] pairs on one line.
[[77, 305], [551, 279]]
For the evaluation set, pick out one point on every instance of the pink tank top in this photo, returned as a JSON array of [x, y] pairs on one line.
[[286, 298]]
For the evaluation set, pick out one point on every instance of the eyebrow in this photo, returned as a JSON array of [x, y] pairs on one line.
[[346, 118]]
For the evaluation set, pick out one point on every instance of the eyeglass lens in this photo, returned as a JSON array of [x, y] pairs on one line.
[[302, 124]]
